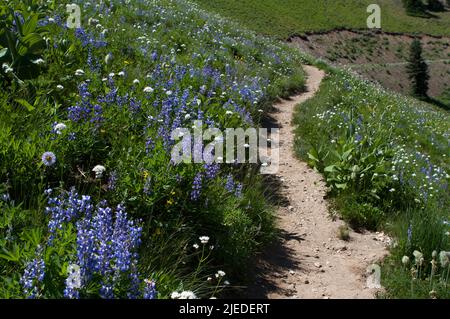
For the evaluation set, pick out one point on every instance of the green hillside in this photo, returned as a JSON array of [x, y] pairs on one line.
[[285, 18]]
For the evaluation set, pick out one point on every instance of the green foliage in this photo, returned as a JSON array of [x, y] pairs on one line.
[[22, 39]]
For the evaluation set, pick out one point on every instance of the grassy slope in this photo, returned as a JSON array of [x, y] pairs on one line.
[[288, 17]]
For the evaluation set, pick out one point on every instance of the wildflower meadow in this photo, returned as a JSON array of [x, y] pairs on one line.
[[91, 204]]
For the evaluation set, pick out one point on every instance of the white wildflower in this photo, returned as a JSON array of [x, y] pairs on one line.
[[6, 68], [99, 170], [405, 260], [73, 280], [79, 72], [204, 239], [175, 295], [148, 89], [444, 258], [187, 295], [38, 61], [59, 128]]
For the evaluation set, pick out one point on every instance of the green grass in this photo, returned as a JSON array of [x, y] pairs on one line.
[[290, 17]]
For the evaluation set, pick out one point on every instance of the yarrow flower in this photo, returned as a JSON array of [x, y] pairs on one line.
[[204, 239], [48, 158], [99, 170]]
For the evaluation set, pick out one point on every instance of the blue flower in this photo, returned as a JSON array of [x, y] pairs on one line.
[[409, 233], [197, 187], [229, 186], [33, 275], [150, 289], [48, 158]]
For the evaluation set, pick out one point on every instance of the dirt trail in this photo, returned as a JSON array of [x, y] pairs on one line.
[[309, 261]]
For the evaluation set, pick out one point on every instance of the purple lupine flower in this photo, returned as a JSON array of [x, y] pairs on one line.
[[211, 170], [409, 233], [102, 224], [150, 289], [64, 209], [148, 186], [197, 186], [112, 180], [238, 191], [125, 238], [33, 275], [149, 145], [135, 282], [229, 185]]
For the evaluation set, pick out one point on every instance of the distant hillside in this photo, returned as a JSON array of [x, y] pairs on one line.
[[283, 18]]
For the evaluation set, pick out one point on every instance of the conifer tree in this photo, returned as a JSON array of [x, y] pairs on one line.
[[435, 5], [417, 70], [414, 7]]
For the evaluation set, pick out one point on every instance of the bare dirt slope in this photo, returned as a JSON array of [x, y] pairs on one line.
[[309, 261], [381, 56]]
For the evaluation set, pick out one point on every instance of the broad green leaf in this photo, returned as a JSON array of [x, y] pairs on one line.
[[30, 25], [29, 43], [311, 156], [25, 104], [330, 169], [3, 52]]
